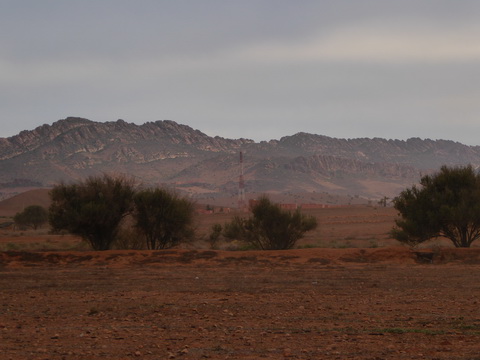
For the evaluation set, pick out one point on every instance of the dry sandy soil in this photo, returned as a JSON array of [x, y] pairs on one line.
[[338, 227], [386, 303], [358, 295]]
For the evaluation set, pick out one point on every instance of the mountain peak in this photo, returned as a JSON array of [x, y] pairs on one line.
[[165, 151]]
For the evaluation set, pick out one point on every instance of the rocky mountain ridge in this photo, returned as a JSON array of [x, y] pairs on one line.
[[165, 152]]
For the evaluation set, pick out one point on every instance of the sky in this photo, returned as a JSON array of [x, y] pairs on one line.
[[257, 69]]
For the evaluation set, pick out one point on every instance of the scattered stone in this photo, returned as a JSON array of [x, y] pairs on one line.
[[287, 352]]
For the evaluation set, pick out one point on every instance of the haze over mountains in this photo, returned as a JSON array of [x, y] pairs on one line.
[[165, 152]]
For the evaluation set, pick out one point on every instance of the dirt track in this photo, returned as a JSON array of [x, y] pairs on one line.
[[302, 304]]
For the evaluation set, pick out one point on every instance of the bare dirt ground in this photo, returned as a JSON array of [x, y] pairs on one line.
[[385, 303], [338, 227], [355, 295]]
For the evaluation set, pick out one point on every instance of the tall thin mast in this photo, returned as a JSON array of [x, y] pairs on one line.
[[241, 186]]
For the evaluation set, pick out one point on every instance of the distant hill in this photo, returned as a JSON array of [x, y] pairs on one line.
[[164, 152], [17, 203]]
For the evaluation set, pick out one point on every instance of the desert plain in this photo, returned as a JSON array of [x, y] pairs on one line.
[[347, 292]]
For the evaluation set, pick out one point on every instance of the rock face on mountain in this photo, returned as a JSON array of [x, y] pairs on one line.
[[164, 152]]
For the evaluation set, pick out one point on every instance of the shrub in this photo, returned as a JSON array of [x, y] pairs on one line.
[[446, 204], [165, 218], [215, 235], [270, 227], [129, 239], [32, 216], [92, 209]]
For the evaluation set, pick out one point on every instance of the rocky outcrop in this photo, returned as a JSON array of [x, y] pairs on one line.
[[331, 166], [171, 153], [422, 154]]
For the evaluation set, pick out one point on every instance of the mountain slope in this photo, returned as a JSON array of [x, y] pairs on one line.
[[177, 155]]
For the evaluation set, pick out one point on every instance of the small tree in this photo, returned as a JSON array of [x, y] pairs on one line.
[[165, 218], [92, 209], [447, 204], [215, 235], [32, 216], [235, 229], [383, 201], [271, 227]]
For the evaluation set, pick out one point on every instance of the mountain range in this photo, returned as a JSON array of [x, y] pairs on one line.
[[170, 154]]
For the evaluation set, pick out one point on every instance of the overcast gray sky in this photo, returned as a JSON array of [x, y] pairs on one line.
[[259, 69]]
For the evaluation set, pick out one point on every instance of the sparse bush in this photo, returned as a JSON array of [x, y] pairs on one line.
[[215, 235], [235, 229], [12, 246], [165, 218], [270, 227], [129, 239], [373, 244], [92, 209], [32, 216], [447, 204], [308, 246]]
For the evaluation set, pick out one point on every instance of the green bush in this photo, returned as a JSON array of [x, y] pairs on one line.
[[164, 218], [92, 209], [270, 227], [447, 204], [214, 237], [32, 216]]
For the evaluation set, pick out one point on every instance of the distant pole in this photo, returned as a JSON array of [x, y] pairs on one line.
[[242, 205]]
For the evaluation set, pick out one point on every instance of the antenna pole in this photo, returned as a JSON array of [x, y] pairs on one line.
[[241, 186]]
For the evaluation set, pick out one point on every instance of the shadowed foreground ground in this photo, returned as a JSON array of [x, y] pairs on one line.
[[302, 304]]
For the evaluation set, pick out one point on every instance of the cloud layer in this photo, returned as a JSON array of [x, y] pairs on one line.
[[256, 69]]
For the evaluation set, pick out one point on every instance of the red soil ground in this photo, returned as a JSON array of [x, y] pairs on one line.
[[387, 303], [360, 302]]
